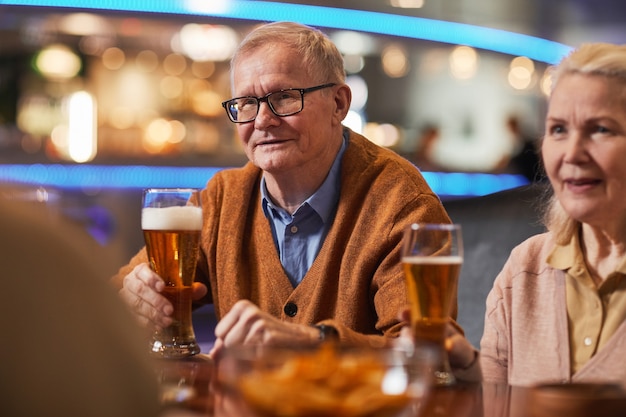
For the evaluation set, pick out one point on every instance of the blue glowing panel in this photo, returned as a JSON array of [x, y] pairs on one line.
[[98, 177], [104, 177], [389, 24]]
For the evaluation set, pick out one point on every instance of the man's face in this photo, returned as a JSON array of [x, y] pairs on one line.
[[293, 144]]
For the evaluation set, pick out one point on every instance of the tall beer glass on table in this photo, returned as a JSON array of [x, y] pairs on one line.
[[432, 255], [171, 220]]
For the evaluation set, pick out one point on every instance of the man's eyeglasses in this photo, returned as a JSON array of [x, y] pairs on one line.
[[282, 103]]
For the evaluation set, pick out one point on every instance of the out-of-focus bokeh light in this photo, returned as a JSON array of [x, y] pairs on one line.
[[160, 133], [359, 92], [207, 102], [94, 45], [58, 62], [463, 62], [395, 61], [59, 136], [202, 69], [199, 85], [157, 135], [546, 83], [147, 60], [407, 4], [521, 70], [354, 121], [384, 134], [174, 64], [523, 62], [205, 42], [171, 87], [36, 115], [121, 117], [353, 64], [113, 58], [519, 78], [82, 127], [76, 137], [354, 43], [178, 131], [84, 24], [133, 89]]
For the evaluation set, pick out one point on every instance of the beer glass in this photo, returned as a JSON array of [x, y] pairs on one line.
[[432, 255], [171, 220]]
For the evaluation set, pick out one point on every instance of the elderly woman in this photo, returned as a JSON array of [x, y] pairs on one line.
[[556, 311]]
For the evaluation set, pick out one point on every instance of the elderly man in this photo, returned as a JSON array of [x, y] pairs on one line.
[[303, 242]]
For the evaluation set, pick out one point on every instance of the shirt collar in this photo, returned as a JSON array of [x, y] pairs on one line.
[[325, 199], [567, 256]]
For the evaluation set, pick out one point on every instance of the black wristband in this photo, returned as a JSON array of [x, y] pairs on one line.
[[327, 333]]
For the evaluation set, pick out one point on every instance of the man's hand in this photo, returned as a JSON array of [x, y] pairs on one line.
[[245, 323], [142, 289]]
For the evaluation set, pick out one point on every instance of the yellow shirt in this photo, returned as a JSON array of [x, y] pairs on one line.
[[594, 313]]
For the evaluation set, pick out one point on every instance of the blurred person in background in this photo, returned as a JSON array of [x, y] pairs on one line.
[[525, 159], [426, 144], [69, 346], [303, 242], [557, 310]]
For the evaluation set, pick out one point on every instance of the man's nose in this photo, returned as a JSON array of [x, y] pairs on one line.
[[265, 114]]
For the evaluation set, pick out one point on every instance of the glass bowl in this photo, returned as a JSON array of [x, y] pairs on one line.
[[326, 380]]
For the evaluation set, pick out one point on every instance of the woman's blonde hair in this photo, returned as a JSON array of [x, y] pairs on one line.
[[313, 48], [598, 59]]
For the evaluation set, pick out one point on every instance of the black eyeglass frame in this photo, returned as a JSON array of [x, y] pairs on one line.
[[266, 97]]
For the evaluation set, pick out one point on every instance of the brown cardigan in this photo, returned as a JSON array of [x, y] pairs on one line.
[[356, 282]]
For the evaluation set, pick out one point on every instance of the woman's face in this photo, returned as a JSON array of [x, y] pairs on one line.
[[584, 149]]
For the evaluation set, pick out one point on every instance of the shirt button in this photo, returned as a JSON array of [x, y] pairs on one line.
[[294, 229], [587, 341], [291, 309]]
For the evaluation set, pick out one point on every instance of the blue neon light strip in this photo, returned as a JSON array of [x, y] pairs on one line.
[[383, 23], [105, 176], [89, 177]]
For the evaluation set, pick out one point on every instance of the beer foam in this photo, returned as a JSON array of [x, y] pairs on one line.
[[171, 218], [432, 260]]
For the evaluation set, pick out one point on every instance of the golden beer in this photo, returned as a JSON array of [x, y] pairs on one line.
[[432, 255], [172, 236], [432, 288]]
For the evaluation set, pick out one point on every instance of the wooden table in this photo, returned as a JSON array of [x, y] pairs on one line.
[[188, 385]]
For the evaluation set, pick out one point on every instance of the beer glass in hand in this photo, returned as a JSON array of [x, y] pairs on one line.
[[432, 255], [171, 220]]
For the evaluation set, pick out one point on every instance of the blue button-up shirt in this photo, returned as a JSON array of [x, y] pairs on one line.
[[299, 236]]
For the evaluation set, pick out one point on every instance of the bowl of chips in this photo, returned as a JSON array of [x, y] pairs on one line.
[[326, 380]]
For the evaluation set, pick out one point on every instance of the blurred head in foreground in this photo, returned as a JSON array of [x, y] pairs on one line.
[[69, 346]]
